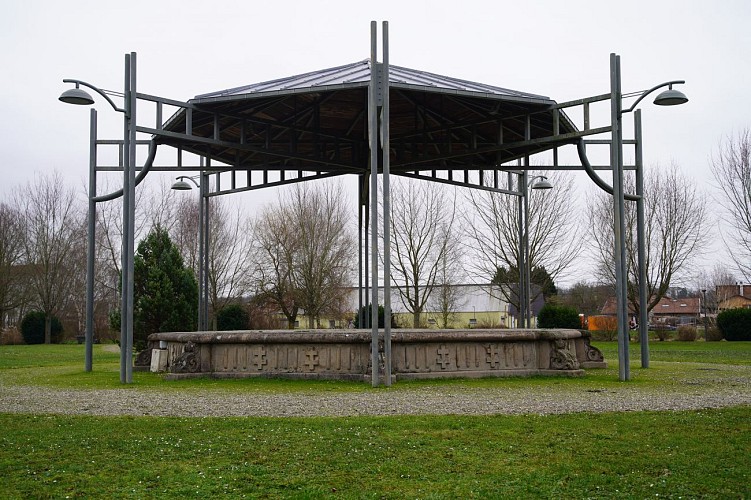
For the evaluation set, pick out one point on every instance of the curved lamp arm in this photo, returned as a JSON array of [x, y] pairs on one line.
[[596, 178], [145, 170], [647, 92], [98, 91]]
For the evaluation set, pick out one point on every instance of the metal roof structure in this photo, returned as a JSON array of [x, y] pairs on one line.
[[358, 74], [369, 119], [316, 125]]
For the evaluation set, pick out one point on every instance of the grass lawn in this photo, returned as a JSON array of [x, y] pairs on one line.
[[687, 454]]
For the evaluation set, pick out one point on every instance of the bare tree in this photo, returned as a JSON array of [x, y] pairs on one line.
[[422, 227], [675, 233], [229, 264], [323, 264], [12, 233], [303, 251], [274, 254], [447, 298], [54, 223], [492, 226], [184, 230], [731, 167]]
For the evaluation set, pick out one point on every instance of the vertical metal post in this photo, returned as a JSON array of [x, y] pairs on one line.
[[88, 363], [385, 147], [621, 277], [520, 261], [373, 136], [359, 251], [206, 237], [366, 260], [201, 244], [641, 244], [527, 262], [125, 316], [706, 324], [131, 172]]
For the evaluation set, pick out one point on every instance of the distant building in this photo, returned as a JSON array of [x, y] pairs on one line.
[[736, 296], [667, 311], [473, 306]]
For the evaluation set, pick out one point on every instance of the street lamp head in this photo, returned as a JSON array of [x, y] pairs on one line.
[[181, 185], [543, 183], [76, 96], [670, 97]]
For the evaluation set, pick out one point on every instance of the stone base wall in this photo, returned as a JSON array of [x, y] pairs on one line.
[[346, 354]]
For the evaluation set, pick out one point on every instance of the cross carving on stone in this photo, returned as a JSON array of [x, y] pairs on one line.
[[312, 359], [259, 358], [443, 357], [493, 355]]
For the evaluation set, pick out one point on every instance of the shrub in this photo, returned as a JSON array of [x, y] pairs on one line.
[[367, 311], [735, 324], [713, 334], [232, 317], [662, 332], [687, 333], [32, 328], [554, 316], [11, 336]]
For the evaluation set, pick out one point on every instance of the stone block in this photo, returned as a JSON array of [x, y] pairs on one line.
[[158, 360]]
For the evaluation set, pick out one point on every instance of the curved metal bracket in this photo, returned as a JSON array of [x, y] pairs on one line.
[[647, 92], [98, 91], [145, 170], [596, 178]]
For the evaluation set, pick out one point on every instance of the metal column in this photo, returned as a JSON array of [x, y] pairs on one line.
[[373, 137], [385, 148], [641, 244], [527, 261], [90, 244], [616, 162], [129, 154], [520, 261]]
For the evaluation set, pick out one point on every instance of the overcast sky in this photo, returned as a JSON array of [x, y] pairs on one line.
[[554, 48]]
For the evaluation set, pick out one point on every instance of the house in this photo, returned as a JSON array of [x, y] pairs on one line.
[[677, 311], [667, 311], [736, 296]]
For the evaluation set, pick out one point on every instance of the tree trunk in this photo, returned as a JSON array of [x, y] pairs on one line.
[[416, 319], [48, 329]]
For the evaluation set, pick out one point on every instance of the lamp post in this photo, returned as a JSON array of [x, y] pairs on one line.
[[180, 184], [704, 303], [668, 97], [81, 97], [537, 182]]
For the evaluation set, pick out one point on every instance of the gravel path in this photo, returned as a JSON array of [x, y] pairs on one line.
[[710, 386]]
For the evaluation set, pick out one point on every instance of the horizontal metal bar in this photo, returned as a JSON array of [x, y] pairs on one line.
[[558, 140], [275, 183], [414, 175], [242, 147], [580, 102], [608, 141]]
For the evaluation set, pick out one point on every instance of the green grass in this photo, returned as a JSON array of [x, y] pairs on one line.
[[732, 353], [649, 454], [64, 368], [687, 454]]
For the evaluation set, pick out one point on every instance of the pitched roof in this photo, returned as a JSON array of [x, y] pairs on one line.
[[666, 307], [358, 74]]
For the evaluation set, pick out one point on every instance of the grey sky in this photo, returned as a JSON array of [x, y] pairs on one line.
[[554, 48]]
